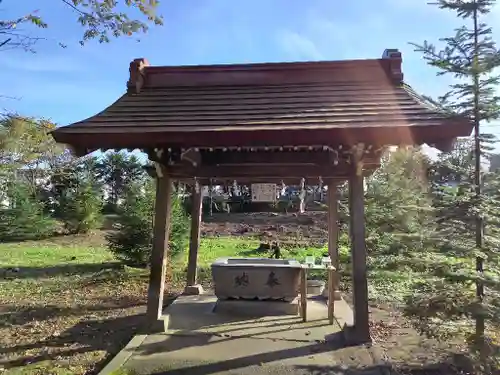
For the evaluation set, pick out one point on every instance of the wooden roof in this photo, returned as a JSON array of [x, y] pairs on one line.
[[306, 103]]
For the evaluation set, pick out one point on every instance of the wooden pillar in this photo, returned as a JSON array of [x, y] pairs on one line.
[[161, 232], [302, 196], [303, 294], [321, 190], [210, 198], [331, 293], [358, 249], [333, 234], [194, 243]]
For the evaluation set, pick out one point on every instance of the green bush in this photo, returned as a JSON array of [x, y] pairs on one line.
[[82, 209], [133, 239], [179, 227], [25, 219], [75, 196]]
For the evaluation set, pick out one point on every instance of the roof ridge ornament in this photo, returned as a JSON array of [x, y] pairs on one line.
[[395, 62], [137, 75]]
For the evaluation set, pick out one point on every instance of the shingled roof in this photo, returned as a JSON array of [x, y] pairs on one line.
[[266, 104]]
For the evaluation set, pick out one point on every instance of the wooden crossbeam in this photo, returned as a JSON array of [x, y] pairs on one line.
[[262, 171], [211, 157], [245, 180], [285, 157], [253, 180]]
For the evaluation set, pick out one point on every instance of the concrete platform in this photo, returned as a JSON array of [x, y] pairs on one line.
[[189, 313], [195, 314], [257, 308], [199, 341]]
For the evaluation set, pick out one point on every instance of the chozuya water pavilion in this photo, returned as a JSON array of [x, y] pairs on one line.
[[266, 123]]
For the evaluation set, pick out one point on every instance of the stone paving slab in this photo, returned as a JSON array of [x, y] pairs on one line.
[[206, 354], [194, 315], [199, 341]]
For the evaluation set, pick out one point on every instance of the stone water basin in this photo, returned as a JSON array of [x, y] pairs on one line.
[[256, 278]]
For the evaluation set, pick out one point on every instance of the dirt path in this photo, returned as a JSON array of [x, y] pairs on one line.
[[405, 351], [309, 228]]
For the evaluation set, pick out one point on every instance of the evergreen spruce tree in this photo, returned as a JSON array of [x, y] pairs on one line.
[[133, 240], [397, 203], [79, 197], [398, 222], [25, 219], [465, 216]]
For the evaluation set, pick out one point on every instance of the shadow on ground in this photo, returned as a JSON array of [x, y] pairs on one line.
[[15, 272], [443, 368], [275, 362], [88, 335], [434, 369], [15, 315], [259, 360]]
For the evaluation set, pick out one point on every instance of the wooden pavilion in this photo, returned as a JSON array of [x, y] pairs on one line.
[[266, 123]]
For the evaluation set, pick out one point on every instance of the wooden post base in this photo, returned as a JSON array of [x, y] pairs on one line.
[[353, 336], [337, 295], [193, 290]]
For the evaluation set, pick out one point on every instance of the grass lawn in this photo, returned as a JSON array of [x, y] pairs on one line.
[[66, 305]]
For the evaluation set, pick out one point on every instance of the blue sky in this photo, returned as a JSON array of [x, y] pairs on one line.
[[67, 85]]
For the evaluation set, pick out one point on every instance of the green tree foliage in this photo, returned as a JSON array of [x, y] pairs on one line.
[[398, 202], [470, 57], [445, 304], [133, 239], [25, 218], [11, 37], [28, 154], [179, 226], [77, 196], [25, 143], [100, 19], [399, 223], [117, 170]]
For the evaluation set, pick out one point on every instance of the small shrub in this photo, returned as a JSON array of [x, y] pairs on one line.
[[25, 219], [179, 227], [82, 209], [76, 196], [133, 239]]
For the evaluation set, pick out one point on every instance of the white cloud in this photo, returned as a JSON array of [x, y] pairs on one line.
[[297, 46]]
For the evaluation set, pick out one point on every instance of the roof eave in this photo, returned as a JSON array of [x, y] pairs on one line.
[[435, 135]]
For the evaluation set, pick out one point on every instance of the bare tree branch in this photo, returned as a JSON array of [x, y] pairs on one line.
[[100, 19]]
